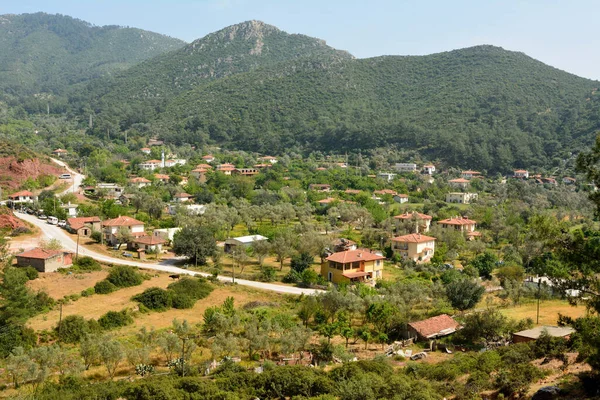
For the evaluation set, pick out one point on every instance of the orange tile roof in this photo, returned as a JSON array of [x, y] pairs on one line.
[[150, 240], [386, 191], [183, 196], [520, 170], [201, 170], [440, 325], [22, 193], [350, 256], [207, 166], [458, 221], [122, 221], [208, 156], [459, 180], [413, 238], [139, 179], [471, 172], [80, 222], [60, 151], [162, 176], [408, 215], [40, 254], [352, 191]]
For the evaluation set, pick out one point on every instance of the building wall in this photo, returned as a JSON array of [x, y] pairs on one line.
[[49, 265], [337, 275]]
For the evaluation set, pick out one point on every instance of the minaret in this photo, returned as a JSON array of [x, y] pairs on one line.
[[163, 159]]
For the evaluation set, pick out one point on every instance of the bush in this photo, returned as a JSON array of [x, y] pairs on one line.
[[87, 264], [195, 288], [267, 274], [115, 319], [72, 329], [301, 262], [124, 276], [154, 298], [104, 287], [182, 300], [31, 273], [96, 236], [88, 292]]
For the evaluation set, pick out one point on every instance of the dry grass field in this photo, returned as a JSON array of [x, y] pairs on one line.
[[59, 285], [549, 310]]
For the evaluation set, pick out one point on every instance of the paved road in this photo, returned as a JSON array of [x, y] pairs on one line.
[[54, 232], [76, 180]]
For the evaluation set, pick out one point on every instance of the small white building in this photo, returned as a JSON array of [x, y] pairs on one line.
[[405, 167], [166, 234], [401, 198], [71, 209], [428, 169], [521, 174], [386, 176], [112, 189], [145, 150], [150, 165], [183, 197], [139, 182], [244, 241], [268, 159], [461, 198], [191, 209]]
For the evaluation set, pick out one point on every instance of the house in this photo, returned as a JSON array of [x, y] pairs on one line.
[[208, 158], [343, 245], [199, 174], [140, 182], [22, 197], [405, 167], [459, 183], [112, 227], [534, 334], [327, 201], [470, 174], [162, 178], [462, 224], [461, 198], [352, 191], [568, 180], [191, 209], [360, 265], [550, 181], [383, 192], [111, 190], [70, 209], [414, 247], [205, 166], [227, 169], [423, 220], [320, 187], [401, 198], [269, 159], [261, 166], [45, 260], [386, 176], [150, 165], [183, 197], [341, 165], [166, 234], [521, 174], [244, 241], [428, 169], [245, 171], [147, 243], [60, 152], [145, 150], [433, 328], [155, 142], [83, 226]]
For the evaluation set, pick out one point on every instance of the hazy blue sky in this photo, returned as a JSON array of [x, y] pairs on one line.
[[558, 32]]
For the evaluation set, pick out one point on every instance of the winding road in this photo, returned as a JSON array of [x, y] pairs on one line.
[[54, 232]]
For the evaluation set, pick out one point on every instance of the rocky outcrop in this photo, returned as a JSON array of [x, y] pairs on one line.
[[14, 172]]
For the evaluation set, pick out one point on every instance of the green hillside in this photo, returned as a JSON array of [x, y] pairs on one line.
[[42, 53], [483, 107]]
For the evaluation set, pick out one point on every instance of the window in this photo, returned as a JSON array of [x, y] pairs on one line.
[[378, 263]]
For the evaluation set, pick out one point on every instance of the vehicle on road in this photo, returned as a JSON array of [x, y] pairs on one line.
[[52, 220], [42, 216], [65, 176], [62, 223]]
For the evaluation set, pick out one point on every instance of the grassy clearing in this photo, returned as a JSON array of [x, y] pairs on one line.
[[59, 285], [549, 310]]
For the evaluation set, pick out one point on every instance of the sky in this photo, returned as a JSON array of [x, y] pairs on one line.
[[560, 33]]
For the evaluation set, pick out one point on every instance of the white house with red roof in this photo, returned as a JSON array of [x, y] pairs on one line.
[[423, 221], [22, 197], [227, 169], [469, 174], [360, 265], [462, 224], [521, 173], [183, 197], [146, 150], [428, 169], [414, 246], [208, 158], [139, 182], [113, 226], [150, 165], [461, 183], [60, 152]]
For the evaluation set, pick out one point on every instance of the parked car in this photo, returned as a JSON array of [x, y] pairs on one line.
[[42, 216], [62, 223], [125, 254], [65, 176], [52, 220]]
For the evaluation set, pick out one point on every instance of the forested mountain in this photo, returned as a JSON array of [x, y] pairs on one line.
[[42, 53]]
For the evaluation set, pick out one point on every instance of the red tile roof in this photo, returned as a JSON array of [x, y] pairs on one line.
[[60, 151], [40, 254], [150, 240], [183, 196], [386, 191], [414, 214], [352, 191], [207, 166], [349, 256], [22, 193], [413, 238], [162, 176], [122, 221], [471, 172], [80, 222], [440, 325], [459, 180], [458, 221], [139, 179]]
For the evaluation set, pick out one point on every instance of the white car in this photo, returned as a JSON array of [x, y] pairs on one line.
[[62, 223], [65, 176], [52, 220]]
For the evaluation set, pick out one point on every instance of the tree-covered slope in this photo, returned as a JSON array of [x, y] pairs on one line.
[[46, 53], [483, 107], [234, 49]]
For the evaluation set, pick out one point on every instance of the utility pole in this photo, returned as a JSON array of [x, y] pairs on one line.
[[538, 302], [77, 249], [59, 320]]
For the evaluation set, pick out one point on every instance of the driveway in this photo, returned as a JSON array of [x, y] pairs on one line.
[[76, 179], [54, 232]]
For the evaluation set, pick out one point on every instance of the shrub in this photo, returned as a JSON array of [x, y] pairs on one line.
[[96, 236], [104, 287], [124, 276], [154, 298], [31, 273], [182, 300], [88, 292], [21, 230], [267, 274], [87, 264], [195, 288], [115, 319], [72, 329], [301, 262]]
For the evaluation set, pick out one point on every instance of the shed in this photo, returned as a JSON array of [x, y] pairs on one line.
[[533, 334], [45, 260], [433, 328], [242, 241]]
